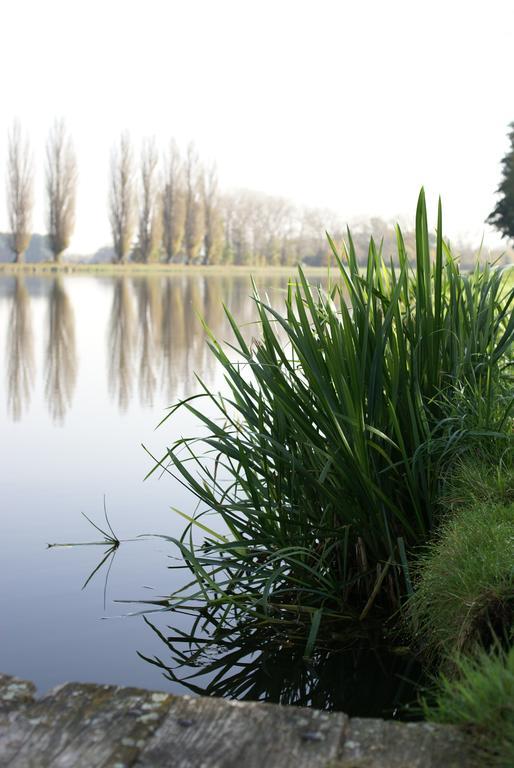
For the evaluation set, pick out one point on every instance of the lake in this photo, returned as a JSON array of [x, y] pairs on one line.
[[90, 365]]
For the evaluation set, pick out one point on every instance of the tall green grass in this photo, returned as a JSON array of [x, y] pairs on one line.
[[480, 697], [323, 461]]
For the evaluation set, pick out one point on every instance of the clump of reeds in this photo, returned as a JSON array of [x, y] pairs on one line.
[[322, 464]]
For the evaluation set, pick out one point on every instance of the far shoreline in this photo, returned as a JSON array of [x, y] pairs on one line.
[[108, 269], [51, 269]]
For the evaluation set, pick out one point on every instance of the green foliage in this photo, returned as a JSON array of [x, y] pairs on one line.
[[484, 476], [481, 697], [502, 216], [464, 595], [323, 461]]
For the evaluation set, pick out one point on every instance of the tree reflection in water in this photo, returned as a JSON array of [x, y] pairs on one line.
[[20, 352], [61, 355], [121, 343], [172, 336], [148, 292], [155, 343]]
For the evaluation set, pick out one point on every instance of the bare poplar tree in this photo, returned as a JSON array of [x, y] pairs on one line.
[[193, 234], [61, 186], [243, 203], [122, 198], [213, 225], [149, 229], [173, 203], [20, 186], [228, 217], [278, 217]]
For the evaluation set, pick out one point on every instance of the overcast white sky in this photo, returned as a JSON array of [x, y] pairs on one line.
[[350, 104]]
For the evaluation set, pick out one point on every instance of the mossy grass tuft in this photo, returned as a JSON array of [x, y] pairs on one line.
[[483, 475], [464, 596]]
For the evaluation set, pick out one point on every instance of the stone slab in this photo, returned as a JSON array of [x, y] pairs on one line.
[[216, 733], [80, 725]]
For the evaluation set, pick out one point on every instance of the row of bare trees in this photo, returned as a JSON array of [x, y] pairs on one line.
[[61, 184], [167, 206], [173, 210]]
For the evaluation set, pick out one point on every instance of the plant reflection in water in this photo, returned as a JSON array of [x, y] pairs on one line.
[[361, 674], [358, 669]]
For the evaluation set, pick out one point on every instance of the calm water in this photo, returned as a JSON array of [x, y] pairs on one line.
[[89, 367]]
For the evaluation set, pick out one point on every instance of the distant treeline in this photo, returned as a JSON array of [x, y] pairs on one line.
[[167, 206]]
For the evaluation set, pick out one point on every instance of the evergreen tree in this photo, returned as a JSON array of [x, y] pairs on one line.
[[502, 217]]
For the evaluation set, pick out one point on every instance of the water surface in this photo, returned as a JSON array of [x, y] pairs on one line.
[[89, 365]]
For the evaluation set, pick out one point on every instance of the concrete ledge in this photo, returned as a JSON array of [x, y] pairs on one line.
[[100, 726]]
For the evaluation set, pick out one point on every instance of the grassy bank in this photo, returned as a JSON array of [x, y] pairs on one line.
[[479, 696], [462, 609], [464, 596]]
